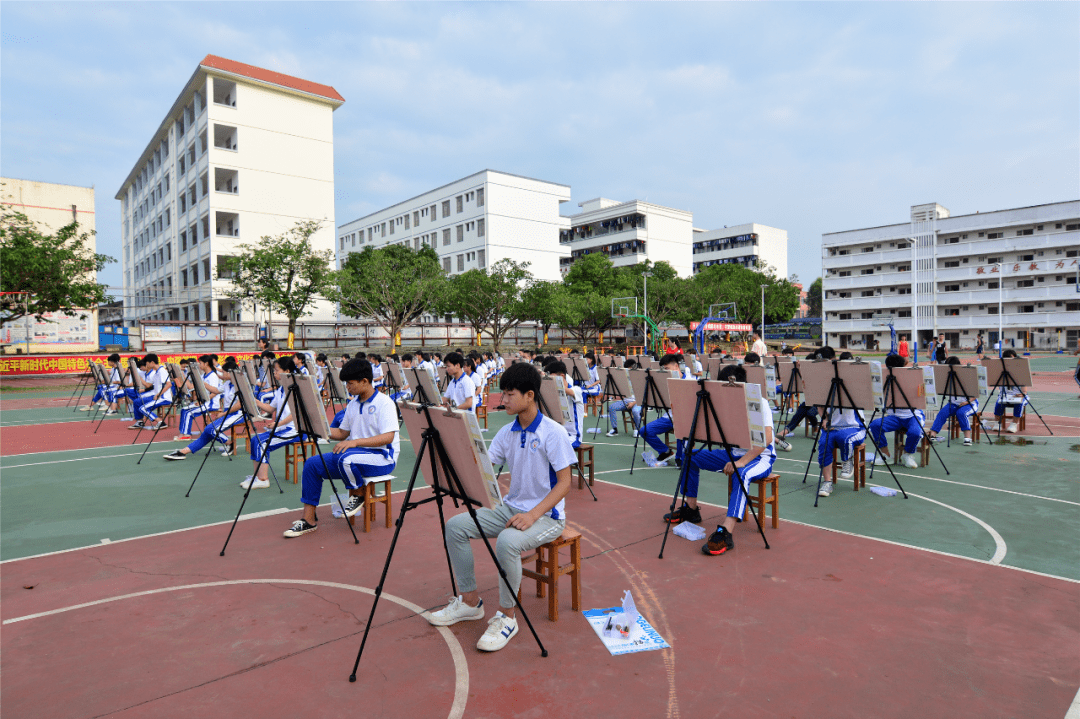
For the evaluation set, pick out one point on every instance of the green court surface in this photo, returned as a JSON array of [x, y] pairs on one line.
[[1016, 503]]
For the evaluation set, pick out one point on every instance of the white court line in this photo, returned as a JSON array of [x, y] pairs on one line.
[[461, 666], [1074, 708], [962, 484], [61, 461]]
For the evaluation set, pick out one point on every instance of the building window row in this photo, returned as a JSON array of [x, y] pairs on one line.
[[725, 243], [603, 227], [745, 261], [412, 220]]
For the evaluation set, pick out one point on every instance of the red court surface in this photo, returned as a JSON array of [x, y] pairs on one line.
[[822, 625]]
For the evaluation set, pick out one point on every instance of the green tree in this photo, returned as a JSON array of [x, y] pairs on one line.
[[591, 283], [489, 300], [283, 272], [393, 285], [742, 285], [58, 270], [813, 299], [540, 303]]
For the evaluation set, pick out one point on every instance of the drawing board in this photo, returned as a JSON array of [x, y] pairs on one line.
[[911, 388], [714, 365], [818, 378], [970, 381], [396, 376], [306, 397], [336, 386], [786, 371], [659, 396], [245, 393], [1018, 367], [423, 385], [619, 382], [763, 377], [554, 401], [248, 368], [460, 436], [738, 407]]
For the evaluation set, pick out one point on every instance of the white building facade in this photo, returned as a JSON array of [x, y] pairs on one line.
[[946, 274], [746, 245], [471, 223], [629, 233], [242, 153]]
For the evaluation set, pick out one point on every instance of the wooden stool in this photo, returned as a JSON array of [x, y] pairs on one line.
[[627, 420], [370, 500], [924, 447], [955, 432], [239, 431], [481, 414], [594, 404], [763, 499], [860, 465], [582, 463], [548, 570], [293, 458]]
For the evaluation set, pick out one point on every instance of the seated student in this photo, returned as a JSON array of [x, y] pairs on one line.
[[320, 370], [840, 430], [134, 382], [377, 379], [472, 372], [437, 360], [753, 464], [624, 404], [369, 447], [479, 372], [575, 424], [105, 396], [264, 390], [697, 371], [215, 431], [213, 387], [803, 411], [300, 360], [159, 394], [591, 384], [535, 449], [1010, 396], [403, 392], [909, 420], [460, 390], [263, 443], [345, 357], [428, 365], [956, 405], [652, 431]]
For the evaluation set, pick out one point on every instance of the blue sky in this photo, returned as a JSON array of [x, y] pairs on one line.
[[810, 117]]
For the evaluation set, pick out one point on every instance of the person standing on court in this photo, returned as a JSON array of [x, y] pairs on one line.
[[941, 351]]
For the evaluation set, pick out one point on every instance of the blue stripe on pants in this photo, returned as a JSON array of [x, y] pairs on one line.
[[845, 439], [216, 427], [147, 408], [277, 442], [1018, 407], [350, 466], [961, 412], [912, 427], [657, 427], [715, 460], [187, 416]]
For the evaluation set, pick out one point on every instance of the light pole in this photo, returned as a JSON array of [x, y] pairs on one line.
[[1001, 320], [645, 325], [763, 313]]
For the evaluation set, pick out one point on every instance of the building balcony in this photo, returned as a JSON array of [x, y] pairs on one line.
[[225, 137], [227, 224], [567, 237], [227, 181], [861, 259]]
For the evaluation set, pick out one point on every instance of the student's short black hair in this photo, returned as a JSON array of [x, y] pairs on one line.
[[356, 369], [895, 361], [522, 377], [629, 364], [470, 363], [751, 358], [590, 355], [360, 355], [206, 359], [140, 362], [454, 358], [286, 364], [230, 364], [345, 356], [438, 355], [555, 367], [732, 371], [547, 360], [846, 356], [114, 357], [826, 352], [152, 358], [321, 357], [953, 360], [268, 354], [1009, 353], [407, 357], [215, 357], [812, 355], [669, 359]]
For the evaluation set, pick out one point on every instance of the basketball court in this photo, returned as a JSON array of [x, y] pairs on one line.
[[962, 600]]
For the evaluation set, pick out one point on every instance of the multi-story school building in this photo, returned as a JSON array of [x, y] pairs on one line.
[[629, 233], [746, 245], [243, 152], [939, 273], [472, 223]]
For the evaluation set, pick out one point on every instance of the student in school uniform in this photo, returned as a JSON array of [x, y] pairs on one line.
[[910, 420], [615, 407], [840, 430], [437, 360], [803, 411], [460, 391], [263, 443], [652, 431], [105, 397], [264, 389], [427, 365], [378, 381], [215, 431], [1010, 396], [404, 392], [477, 378], [159, 394], [576, 424], [959, 406], [213, 387], [320, 370], [591, 384], [369, 447], [754, 464], [538, 454]]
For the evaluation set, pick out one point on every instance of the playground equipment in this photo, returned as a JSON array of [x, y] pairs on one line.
[[627, 308], [722, 317]]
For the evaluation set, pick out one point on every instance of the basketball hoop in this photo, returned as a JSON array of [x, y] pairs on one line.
[[882, 320]]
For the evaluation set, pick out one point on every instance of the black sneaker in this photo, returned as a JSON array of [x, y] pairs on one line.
[[300, 527], [138, 425], [354, 505], [720, 542], [665, 456], [678, 463], [685, 513], [175, 455]]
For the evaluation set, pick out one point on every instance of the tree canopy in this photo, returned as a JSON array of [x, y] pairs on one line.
[[59, 271], [490, 299], [282, 272], [813, 299]]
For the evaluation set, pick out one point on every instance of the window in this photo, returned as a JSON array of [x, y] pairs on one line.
[[1026, 308], [407, 222], [480, 227], [1072, 306], [903, 268], [952, 263], [903, 291], [432, 214], [995, 235], [845, 273], [994, 260], [991, 310], [951, 288], [460, 204], [868, 249], [1070, 228], [903, 313], [901, 245], [845, 315], [481, 258], [383, 229], [461, 233], [1025, 283], [446, 264], [446, 237], [195, 274], [480, 197], [206, 269], [867, 316], [392, 223], [446, 209], [223, 272], [416, 244], [1021, 233], [867, 271], [461, 263], [952, 311], [416, 218]]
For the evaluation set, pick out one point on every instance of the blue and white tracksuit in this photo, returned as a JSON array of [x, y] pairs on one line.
[[844, 433], [715, 460], [911, 421], [959, 407], [620, 405], [263, 443], [1010, 397], [652, 431], [594, 381], [187, 416]]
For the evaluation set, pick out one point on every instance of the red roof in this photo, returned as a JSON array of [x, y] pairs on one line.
[[277, 78]]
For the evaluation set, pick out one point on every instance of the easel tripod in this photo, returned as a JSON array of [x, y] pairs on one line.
[[955, 388], [651, 397], [1007, 380], [888, 394]]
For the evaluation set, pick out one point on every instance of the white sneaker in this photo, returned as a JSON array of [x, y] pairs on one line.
[[783, 445], [612, 432], [826, 489], [86, 408], [880, 459], [255, 483], [501, 629], [456, 611], [908, 460], [967, 441], [635, 434], [1011, 429], [847, 469]]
